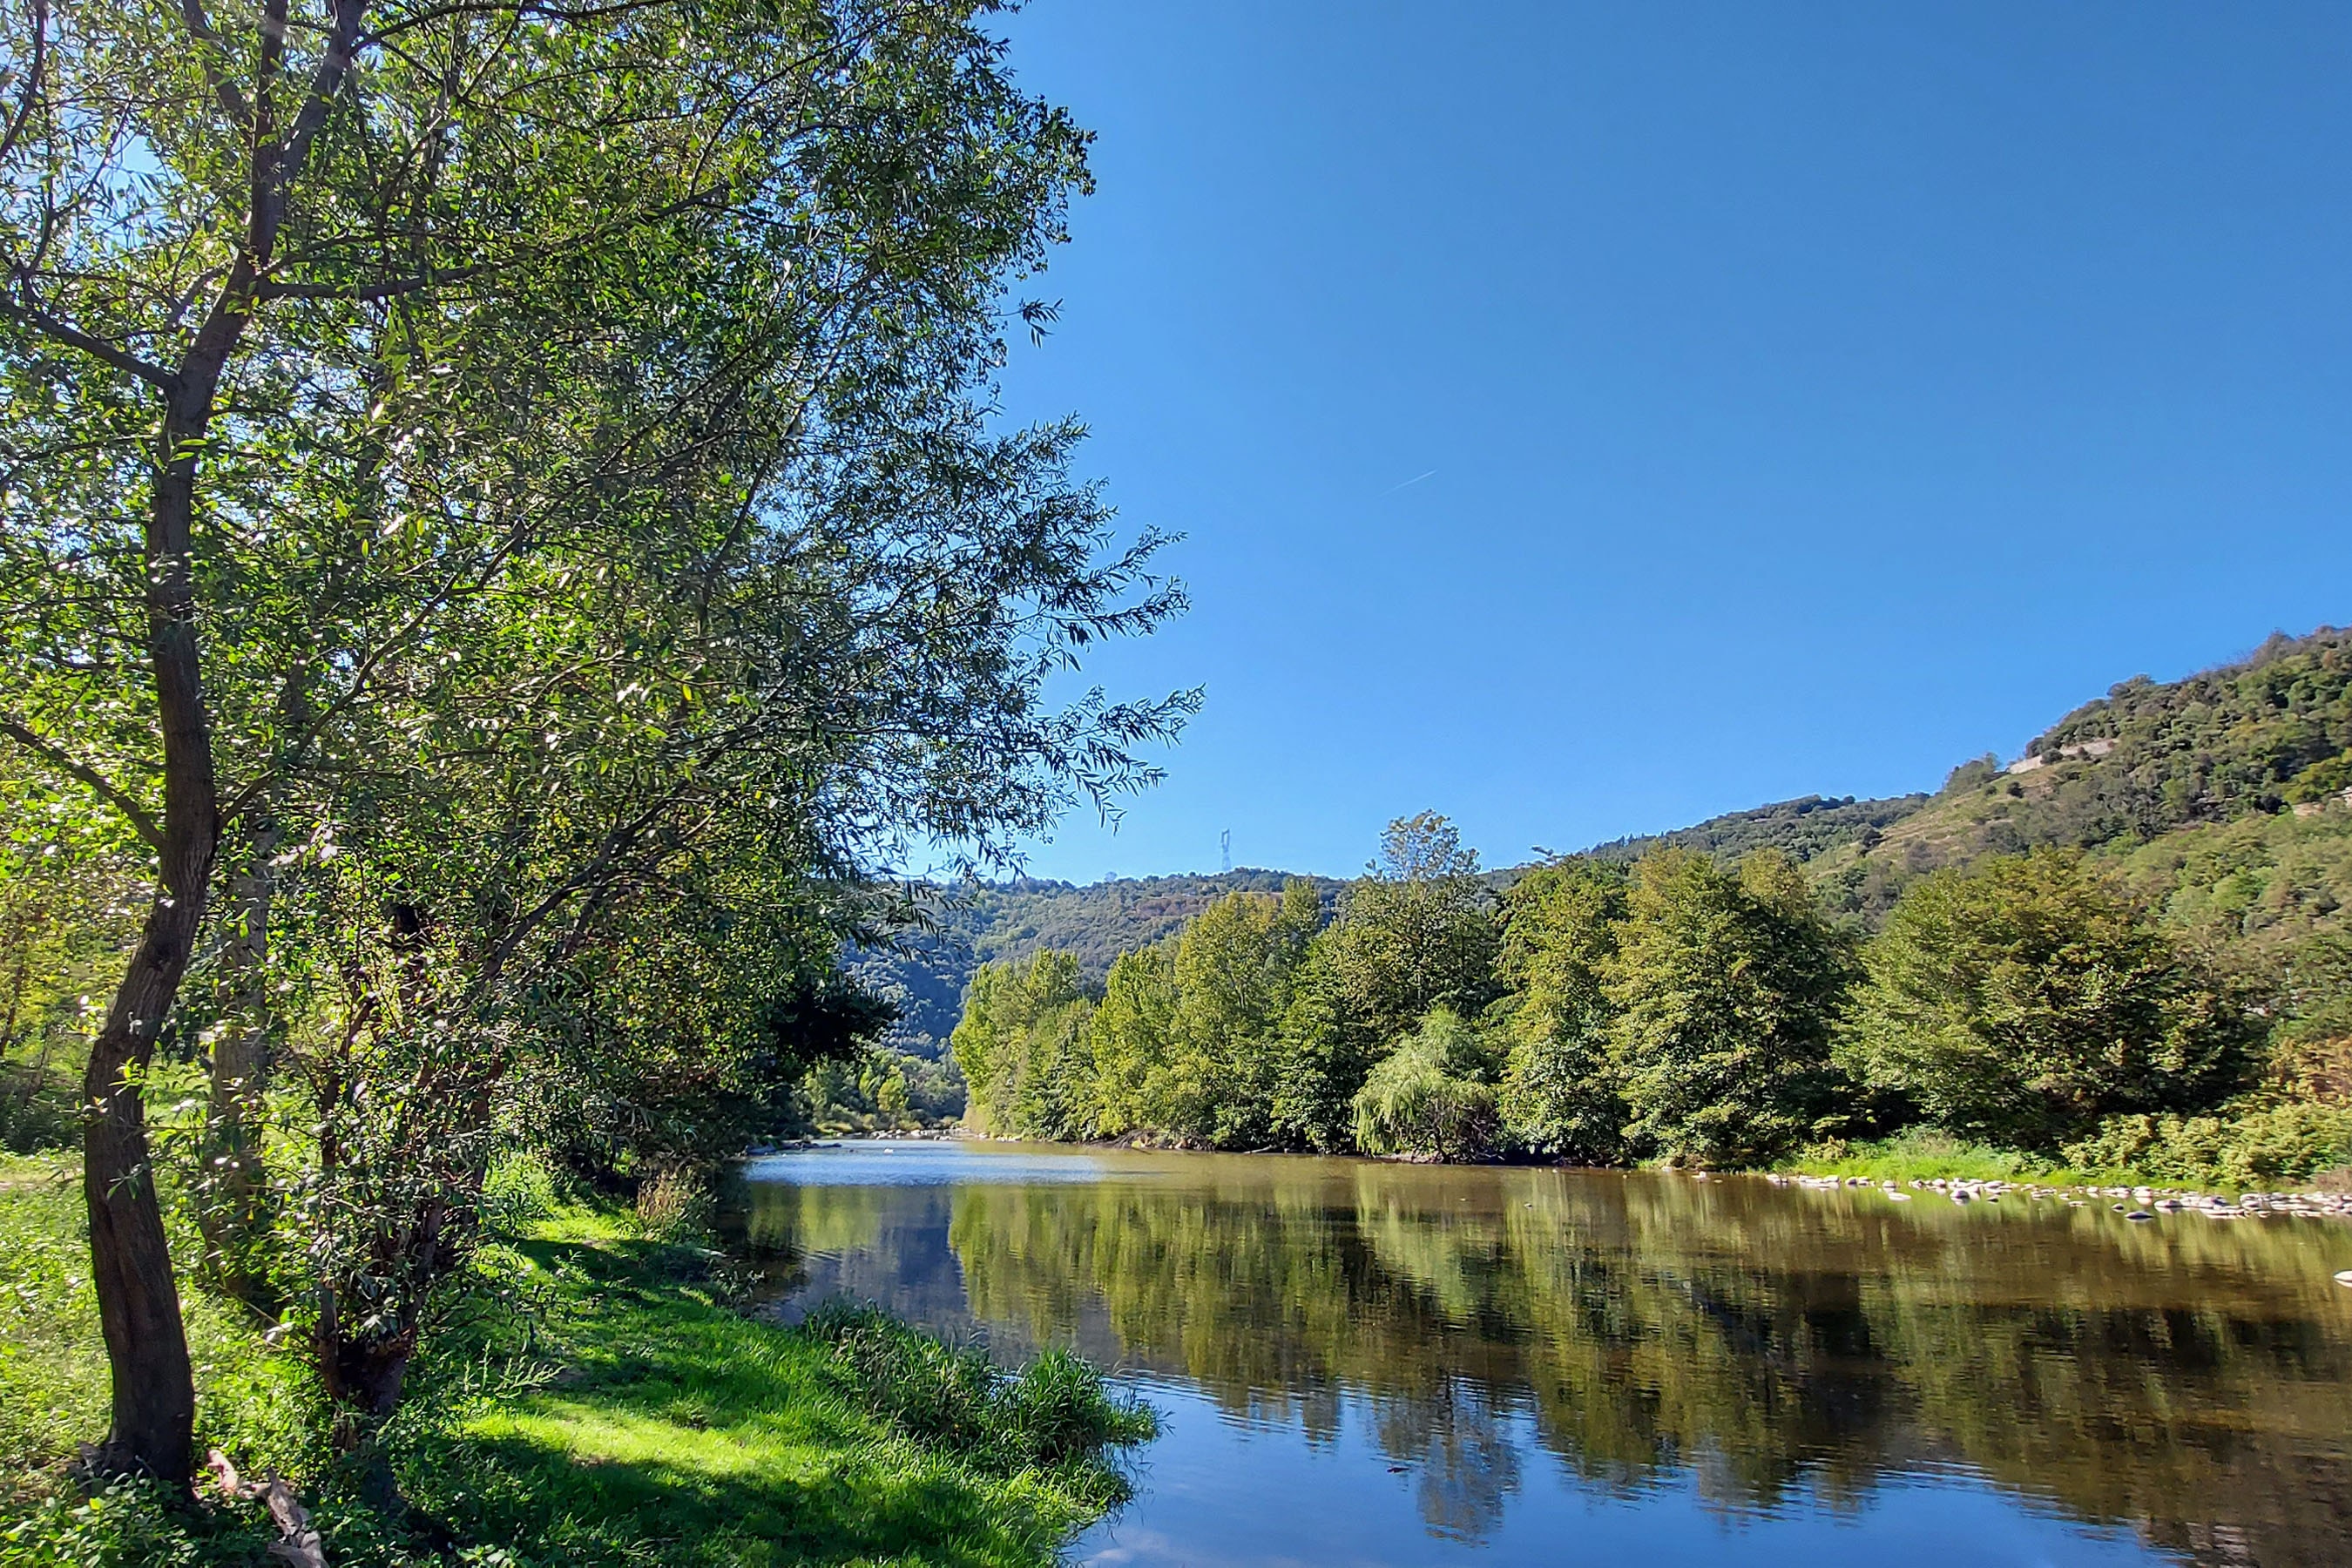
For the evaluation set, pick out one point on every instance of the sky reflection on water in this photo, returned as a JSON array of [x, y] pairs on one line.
[[1372, 1363]]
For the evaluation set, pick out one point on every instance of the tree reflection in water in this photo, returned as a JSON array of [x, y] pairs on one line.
[[2190, 1379]]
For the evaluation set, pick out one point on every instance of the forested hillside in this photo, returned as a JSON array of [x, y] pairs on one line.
[[2266, 739], [926, 973], [1801, 829], [2128, 945], [2214, 766]]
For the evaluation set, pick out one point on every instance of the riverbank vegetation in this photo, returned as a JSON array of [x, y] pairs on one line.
[[599, 1402], [2067, 986], [510, 564]]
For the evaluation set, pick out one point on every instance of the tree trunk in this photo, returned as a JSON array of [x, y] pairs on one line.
[[138, 1300], [363, 1379], [130, 1260], [232, 1208]]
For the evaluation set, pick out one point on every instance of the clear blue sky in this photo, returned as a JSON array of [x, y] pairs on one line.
[[1589, 418]]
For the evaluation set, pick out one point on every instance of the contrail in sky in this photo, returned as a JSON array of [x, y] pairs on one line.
[[1408, 484]]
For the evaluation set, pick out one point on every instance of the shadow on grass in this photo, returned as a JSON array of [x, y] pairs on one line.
[[681, 1433]]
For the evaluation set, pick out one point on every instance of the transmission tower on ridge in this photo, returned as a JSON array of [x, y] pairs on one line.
[[1225, 848]]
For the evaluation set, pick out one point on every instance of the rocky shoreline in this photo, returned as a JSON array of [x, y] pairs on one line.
[[2145, 1204]]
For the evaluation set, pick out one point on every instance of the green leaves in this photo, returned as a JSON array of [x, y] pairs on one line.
[[2023, 1001]]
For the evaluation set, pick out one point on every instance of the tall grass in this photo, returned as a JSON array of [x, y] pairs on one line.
[[1055, 1416]]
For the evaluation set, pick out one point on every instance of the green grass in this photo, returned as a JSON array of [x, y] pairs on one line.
[[604, 1408], [1924, 1155]]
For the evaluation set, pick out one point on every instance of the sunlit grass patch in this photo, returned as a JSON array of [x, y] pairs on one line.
[[604, 1408], [1927, 1153]]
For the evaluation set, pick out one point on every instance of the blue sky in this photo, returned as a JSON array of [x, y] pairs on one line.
[[1586, 419]]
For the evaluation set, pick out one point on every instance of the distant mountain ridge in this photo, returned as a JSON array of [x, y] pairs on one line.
[[2222, 761]]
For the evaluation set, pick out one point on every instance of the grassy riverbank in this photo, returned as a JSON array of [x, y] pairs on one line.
[[602, 1407], [1928, 1155]]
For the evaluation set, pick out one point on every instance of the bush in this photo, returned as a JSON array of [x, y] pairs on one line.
[[1056, 1415], [1426, 1097], [2257, 1148]]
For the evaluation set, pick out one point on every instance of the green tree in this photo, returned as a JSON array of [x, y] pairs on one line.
[[1234, 965], [1129, 1037], [1022, 1045], [1417, 932], [1432, 1096], [509, 475], [2024, 1000], [1726, 986], [1559, 1092]]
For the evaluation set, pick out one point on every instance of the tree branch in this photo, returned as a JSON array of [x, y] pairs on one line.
[[73, 337], [140, 822], [32, 79], [327, 81], [208, 45]]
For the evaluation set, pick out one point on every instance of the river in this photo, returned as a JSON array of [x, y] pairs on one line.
[[1371, 1364]]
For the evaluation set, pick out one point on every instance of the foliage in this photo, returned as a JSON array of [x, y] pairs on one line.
[[520, 506], [925, 971], [1920, 1153], [1801, 829], [1726, 988], [1432, 1096], [1559, 1093], [69, 885], [1020, 1048], [2024, 1000], [519, 1191], [1418, 931], [2256, 1147], [1137, 1083], [1054, 1417], [1180, 1045]]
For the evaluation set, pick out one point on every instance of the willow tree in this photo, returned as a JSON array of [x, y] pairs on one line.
[[473, 468]]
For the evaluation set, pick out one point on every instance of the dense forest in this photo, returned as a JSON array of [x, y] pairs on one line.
[[2128, 950]]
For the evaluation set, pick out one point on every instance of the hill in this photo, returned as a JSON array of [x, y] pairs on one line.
[[2267, 737], [1801, 829], [2225, 797], [927, 973]]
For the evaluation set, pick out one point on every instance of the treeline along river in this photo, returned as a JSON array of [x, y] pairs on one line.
[[1384, 1364]]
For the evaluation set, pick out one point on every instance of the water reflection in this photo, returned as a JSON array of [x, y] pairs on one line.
[[1761, 1351]]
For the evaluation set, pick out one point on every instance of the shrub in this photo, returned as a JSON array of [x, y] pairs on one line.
[[2254, 1149]]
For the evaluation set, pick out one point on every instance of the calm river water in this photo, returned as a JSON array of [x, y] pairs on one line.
[[1367, 1364]]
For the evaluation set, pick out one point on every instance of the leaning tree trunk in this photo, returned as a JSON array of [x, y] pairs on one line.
[[130, 1260], [137, 1302]]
